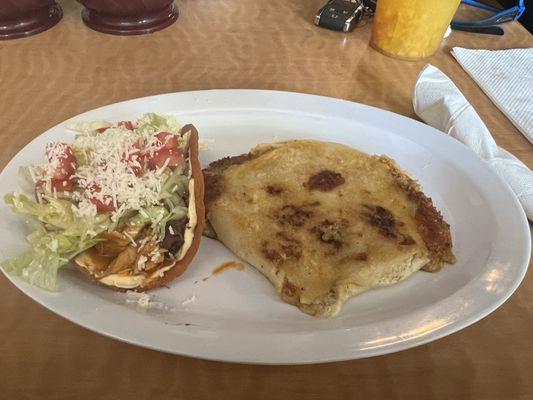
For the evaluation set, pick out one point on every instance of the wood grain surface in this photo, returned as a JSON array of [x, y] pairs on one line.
[[271, 44]]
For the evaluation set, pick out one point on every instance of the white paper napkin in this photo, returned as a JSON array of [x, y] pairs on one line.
[[440, 104], [506, 77]]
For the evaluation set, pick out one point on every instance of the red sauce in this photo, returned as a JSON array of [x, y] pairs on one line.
[[228, 265], [224, 267]]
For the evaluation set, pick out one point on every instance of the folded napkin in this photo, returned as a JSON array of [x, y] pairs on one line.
[[506, 77], [440, 104]]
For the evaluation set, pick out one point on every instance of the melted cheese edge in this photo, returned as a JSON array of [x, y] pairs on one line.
[[188, 235], [122, 281]]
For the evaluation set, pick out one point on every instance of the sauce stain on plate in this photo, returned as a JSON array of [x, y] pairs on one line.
[[224, 267], [228, 265]]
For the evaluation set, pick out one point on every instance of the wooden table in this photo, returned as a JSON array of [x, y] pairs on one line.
[[239, 44]]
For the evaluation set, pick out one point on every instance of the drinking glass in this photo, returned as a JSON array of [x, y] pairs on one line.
[[411, 29]]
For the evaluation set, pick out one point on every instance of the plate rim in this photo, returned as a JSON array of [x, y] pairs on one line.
[[390, 348]]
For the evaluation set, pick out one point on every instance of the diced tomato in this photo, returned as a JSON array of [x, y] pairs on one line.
[[66, 164], [59, 185], [138, 144], [65, 185], [159, 158], [102, 130], [135, 157], [126, 124], [101, 206], [144, 156], [137, 170], [168, 140]]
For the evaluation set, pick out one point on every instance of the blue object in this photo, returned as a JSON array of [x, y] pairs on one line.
[[499, 16]]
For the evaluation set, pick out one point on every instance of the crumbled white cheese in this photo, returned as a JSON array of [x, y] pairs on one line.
[[155, 255], [141, 243], [146, 301], [189, 300], [141, 262], [130, 238], [109, 177], [112, 176], [53, 245], [54, 152], [142, 299]]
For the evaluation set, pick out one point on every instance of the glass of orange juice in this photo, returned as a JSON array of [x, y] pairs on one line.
[[411, 29]]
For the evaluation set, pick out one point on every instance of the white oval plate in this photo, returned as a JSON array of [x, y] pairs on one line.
[[236, 316]]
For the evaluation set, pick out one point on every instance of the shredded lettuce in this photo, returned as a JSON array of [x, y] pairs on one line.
[[151, 123], [157, 217], [175, 190], [87, 126], [174, 193], [62, 237], [82, 155], [25, 180], [50, 251], [176, 183], [57, 214]]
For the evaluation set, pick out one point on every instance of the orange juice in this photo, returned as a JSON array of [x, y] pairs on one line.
[[411, 29]]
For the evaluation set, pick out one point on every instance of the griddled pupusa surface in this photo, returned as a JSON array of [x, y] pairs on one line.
[[323, 221]]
